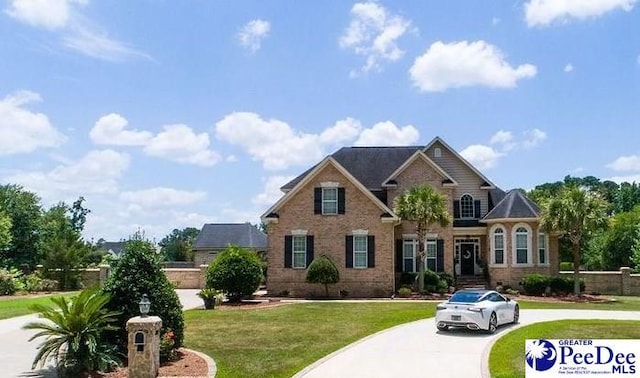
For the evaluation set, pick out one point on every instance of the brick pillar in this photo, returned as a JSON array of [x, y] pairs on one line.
[[203, 276], [625, 280], [144, 346], [104, 273]]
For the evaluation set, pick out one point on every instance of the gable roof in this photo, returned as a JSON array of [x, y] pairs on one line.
[[359, 161], [487, 183], [448, 180], [308, 176], [115, 248], [220, 235], [515, 205]]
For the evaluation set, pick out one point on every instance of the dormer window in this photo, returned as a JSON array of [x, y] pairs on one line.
[[437, 152], [329, 200]]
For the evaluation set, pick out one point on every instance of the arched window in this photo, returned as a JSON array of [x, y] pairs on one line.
[[437, 152], [521, 245], [466, 206], [498, 246]]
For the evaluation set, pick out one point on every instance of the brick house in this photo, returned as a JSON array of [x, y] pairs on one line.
[[216, 237], [343, 208]]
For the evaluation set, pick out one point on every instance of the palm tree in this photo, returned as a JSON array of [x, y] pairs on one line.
[[575, 213], [535, 351], [424, 206], [73, 330]]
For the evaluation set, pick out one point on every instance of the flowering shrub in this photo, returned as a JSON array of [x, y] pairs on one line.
[[168, 351]]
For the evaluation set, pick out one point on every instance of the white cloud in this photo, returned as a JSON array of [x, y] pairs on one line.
[[97, 44], [482, 157], [505, 139], [373, 33], [344, 130], [388, 134], [48, 14], [252, 34], [179, 143], [97, 172], [23, 131], [271, 193], [626, 163], [231, 159], [495, 21], [110, 130], [162, 197], [568, 68], [630, 178], [464, 64], [544, 12], [534, 137]]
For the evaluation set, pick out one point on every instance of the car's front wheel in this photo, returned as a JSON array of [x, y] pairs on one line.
[[516, 314], [493, 323], [443, 327]]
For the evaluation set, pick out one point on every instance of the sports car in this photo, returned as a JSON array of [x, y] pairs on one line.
[[476, 309]]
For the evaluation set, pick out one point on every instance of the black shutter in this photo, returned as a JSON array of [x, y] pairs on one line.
[[399, 256], [288, 251], [456, 209], [490, 201], [440, 256], [309, 249], [348, 255], [341, 201], [476, 209], [371, 251], [317, 200]]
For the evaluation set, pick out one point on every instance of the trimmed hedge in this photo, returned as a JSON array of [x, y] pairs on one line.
[[236, 271], [537, 284]]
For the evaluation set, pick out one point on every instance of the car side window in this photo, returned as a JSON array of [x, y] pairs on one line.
[[493, 297]]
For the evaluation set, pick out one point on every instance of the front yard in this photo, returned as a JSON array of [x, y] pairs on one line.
[[11, 306]]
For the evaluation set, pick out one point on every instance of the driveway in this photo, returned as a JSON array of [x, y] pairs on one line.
[[17, 353], [417, 349]]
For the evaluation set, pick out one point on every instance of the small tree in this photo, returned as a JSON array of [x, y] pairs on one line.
[[138, 272], [236, 271], [323, 271]]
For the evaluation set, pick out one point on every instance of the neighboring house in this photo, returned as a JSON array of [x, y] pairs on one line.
[[215, 237], [115, 249], [343, 208]]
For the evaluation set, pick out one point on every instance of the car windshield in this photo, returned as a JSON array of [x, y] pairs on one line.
[[466, 297]]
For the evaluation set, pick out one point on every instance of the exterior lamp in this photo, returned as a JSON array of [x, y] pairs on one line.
[[145, 305]]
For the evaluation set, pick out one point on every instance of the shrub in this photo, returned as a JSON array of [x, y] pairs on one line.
[[74, 334], [447, 278], [442, 286], [511, 291], [408, 278], [404, 292], [566, 266], [535, 284], [138, 272], [564, 285], [431, 280], [8, 282], [236, 271], [323, 271]]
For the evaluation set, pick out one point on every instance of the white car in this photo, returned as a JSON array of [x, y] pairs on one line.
[[476, 309]]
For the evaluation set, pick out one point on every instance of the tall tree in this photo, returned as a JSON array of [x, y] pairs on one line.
[[574, 213], [23, 207], [426, 207], [628, 197], [5, 231], [177, 245]]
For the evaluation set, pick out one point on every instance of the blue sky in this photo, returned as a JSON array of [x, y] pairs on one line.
[[167, 114]]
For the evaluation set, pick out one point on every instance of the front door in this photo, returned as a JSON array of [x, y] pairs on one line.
[[467, 258]]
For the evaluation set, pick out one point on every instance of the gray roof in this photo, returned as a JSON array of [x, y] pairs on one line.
[[369, 165], [515, 205], [220, 235], [115, 247]]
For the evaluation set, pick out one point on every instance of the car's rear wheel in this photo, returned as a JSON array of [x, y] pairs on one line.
[[443, 327], [493, 323], [516, 314]]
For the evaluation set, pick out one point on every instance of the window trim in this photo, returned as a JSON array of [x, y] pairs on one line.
[[414, 246], [365, 252], [514, 244], [492, 241], [294, 252], [433, 242], [545, 237], [324, 201], [462, 207]]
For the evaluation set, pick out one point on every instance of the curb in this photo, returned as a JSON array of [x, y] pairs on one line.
[[211, 364]]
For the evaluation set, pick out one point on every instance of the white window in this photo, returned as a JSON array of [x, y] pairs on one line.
[[543, 256], [498, 246], [409, 247], [431, 254], [466, 206], [329, 200], [359, 251], [437, 152], [521, 236], [299, 251]]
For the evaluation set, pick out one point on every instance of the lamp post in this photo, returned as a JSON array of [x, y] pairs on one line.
[[145, 305]]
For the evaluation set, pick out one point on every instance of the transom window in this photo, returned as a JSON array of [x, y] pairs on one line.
[[542, 249], [299, 251], [329, 200], [409, 247], [360, 251], [498, 246], [522, 245], [466, 206]]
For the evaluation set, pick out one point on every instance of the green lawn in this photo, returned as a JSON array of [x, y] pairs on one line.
[[17, 306], [280, 341], [507, 355], [620, 304]]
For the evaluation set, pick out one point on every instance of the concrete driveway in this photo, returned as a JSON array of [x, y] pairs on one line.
[[17, 353], [417, 349]]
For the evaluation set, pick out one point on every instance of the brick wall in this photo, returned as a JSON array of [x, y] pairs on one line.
[[181, 278], [610, 282]]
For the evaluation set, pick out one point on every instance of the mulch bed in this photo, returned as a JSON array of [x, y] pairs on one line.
[[189, 365]]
